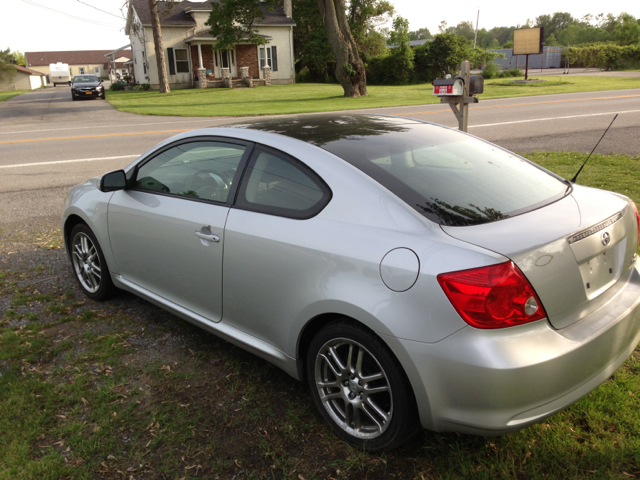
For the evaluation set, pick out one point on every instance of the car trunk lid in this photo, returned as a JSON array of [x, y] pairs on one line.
[[573, 251]]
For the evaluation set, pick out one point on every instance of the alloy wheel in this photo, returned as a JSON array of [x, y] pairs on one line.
[[353, 388], [86, 262]]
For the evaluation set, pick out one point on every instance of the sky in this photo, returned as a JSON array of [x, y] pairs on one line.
[[46, 25]]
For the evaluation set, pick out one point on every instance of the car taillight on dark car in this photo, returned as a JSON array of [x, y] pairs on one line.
[[496, 296]]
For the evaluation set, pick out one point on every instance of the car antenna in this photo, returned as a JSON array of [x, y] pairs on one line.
[[573, 180]]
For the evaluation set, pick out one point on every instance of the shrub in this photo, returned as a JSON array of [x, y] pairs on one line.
[[606, 56], [116, 87]]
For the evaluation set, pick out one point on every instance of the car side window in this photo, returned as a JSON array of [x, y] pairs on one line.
[[203, 170], [278, 185]]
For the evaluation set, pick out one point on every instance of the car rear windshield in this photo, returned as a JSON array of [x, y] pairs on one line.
[[451, 178]]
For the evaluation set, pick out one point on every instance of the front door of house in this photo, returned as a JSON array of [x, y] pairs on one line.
[[228, 60]]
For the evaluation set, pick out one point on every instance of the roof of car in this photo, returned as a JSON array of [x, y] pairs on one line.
[[322, 128]]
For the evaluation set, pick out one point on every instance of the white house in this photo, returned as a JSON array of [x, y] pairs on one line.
[[189, 52]]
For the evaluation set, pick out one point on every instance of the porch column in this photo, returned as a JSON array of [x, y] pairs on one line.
[[202, 72], [199, 57]]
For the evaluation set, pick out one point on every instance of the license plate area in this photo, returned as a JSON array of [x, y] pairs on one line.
[[88, 93], [602, 271]]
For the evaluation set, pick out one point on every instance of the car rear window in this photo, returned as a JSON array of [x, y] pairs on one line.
[[451, 178]]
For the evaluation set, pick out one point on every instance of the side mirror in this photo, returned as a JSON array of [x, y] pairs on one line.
[[112, 181]]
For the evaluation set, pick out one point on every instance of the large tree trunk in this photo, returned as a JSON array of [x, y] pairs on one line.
[[163, 80], [350, 70]]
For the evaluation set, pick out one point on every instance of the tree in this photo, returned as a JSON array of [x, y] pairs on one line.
[[627, 32], [365, 17], [554, 23], [441, 56], [311, 46], [231, 21], [464, 29], [18, 58], [163, 79], [350, 70], [7, 70], [402, 55], [420, 34]]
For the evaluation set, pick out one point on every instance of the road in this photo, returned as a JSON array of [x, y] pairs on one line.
[[49, 143]]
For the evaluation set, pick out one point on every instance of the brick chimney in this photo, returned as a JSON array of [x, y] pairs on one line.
[[288, 11]]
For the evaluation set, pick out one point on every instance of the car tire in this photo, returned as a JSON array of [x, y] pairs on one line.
[[88, 263], [73, 98], [345, 362]]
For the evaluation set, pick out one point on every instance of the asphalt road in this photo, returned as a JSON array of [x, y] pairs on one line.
[[49, 143]]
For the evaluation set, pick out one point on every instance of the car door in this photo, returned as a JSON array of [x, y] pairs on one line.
[[167, 228], [275, 245]]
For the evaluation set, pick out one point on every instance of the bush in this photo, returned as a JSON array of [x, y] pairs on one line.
[[491, 71], [605, 56], [116, 87], [393, 69], [512, 72]]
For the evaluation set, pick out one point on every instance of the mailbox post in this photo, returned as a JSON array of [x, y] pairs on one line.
[[458, 93]]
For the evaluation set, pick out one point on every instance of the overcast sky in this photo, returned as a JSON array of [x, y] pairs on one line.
[[45, 25]]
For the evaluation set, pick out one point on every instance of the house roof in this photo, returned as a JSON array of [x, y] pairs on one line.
[[82, 57], [22, 69], [176, 14]]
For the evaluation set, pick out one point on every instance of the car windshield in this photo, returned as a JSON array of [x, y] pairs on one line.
[[450, 178], [85, 79]]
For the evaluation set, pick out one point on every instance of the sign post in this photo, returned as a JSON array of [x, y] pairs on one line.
[[528, 41]]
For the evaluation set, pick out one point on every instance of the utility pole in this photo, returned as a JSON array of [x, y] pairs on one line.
[[475, 38]]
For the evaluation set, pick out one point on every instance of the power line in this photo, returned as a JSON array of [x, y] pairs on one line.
[[31, 2], [103, 11]]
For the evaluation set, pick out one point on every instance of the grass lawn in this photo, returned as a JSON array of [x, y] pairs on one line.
[[14, 93], [306, 97], [121, 389]]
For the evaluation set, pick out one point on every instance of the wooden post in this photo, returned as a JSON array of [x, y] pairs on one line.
[[526, 69], [465, 73]]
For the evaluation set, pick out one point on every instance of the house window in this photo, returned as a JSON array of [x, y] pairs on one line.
[[96, 70], [182, 60], [70, 71], [269, 56], [81, 69], [124, 72]]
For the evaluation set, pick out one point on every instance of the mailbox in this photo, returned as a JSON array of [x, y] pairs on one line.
[[448, 87], [476, 84]]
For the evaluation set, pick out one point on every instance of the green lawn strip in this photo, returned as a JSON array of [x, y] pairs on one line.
[[7, 95], [86, 394], [306, 97]]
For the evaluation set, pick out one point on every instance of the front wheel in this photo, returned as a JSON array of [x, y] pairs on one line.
[[360, 388], [89, 264]]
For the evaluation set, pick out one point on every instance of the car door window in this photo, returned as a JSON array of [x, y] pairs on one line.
[[203, 170], [282, 186]]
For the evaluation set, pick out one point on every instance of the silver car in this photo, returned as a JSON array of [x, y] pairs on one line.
[[413, 275]]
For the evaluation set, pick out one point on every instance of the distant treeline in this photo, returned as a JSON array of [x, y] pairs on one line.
[[560, 29]]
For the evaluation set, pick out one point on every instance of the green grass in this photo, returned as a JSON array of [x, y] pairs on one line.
[[305, 98], [87, 391], [7, 95]]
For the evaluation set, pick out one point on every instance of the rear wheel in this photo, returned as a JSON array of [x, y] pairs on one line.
[[360, 387], [89, 264]]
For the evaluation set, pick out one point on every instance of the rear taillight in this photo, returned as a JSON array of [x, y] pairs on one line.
[[637, 221], [496, 296]]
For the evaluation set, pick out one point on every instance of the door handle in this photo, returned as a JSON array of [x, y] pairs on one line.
[[208, 237]]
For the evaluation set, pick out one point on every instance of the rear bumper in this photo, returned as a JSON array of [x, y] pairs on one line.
[[491, 382]]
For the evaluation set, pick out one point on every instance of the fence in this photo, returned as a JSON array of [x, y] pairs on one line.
[[550, 58]]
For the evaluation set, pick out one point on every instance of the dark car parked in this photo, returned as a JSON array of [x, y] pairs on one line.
[[83, 86]]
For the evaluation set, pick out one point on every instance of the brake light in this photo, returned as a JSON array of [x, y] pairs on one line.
[[637, 221], [496, 296]]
